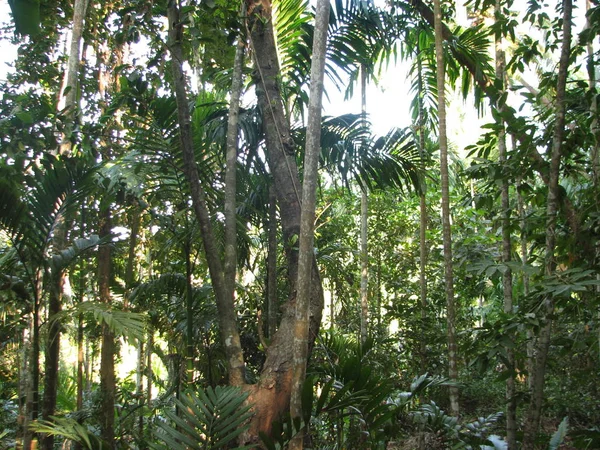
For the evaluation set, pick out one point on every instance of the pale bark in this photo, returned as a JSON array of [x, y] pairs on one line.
[[307, 220], [364, 228], [533, 417], [447, 232], [272, 264], [225, 306], [230, 170], [68, 99], [189, 316]]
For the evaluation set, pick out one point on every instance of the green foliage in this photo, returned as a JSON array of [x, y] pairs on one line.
[[204, 419], [559, 436], [128, 324], [474, 434], [69, 429]]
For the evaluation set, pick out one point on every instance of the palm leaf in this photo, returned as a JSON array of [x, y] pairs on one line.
[[208, 419], [350, 151], [69, 429], [128, 324]]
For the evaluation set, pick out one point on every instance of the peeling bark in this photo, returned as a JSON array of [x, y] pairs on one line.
[[271, 396]]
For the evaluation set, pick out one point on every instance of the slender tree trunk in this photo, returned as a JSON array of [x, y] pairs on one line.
[[272, 265], [422, 220], [52, 356], [447, 233], [511, 403], [307, 221], [69, 92], [68, 100], [189, 302], [230, 171], [226, 308], [32, 400], [364, 228], [139, 388], [107, 362], [532, 420], [595, 125]]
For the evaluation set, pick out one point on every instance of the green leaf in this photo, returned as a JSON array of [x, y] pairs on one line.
[[559, 436]]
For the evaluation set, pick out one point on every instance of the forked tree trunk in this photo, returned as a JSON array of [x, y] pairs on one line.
[[447, 233], [271, 395], [307, 220], [230, 337], [532, 420]]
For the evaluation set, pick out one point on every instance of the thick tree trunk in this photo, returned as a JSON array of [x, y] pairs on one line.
[[532, 420], [230, 337], [271, 395], [447, 233]]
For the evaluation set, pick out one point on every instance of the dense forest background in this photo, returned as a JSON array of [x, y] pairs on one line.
[[194, 254]]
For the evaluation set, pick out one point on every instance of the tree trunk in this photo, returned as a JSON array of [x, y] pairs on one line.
[[32, 400], [230, 337], [68, 98], [307, 220], [511, 403], [422, 220], [364, 228], [447, 233], [272, 303], [271, 396], [107, 362], [230, 171], [487, 86], [189, 303], [532, 420]]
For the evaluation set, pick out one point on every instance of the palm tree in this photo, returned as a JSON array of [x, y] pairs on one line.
[[447, 232], [30, 217]]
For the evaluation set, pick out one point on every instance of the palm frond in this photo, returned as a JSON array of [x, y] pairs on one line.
[[352, 153], [207, 419], [68, 429], [128, 324]]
